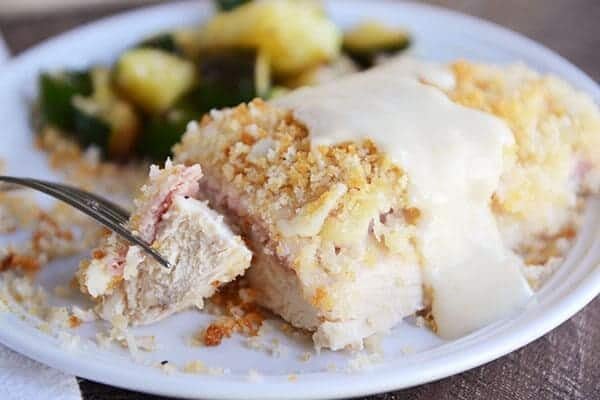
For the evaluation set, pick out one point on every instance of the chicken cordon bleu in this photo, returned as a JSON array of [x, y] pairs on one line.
[[407, 188], [203, 252]]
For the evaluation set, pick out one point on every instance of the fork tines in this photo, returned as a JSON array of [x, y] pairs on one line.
[[107, 213]]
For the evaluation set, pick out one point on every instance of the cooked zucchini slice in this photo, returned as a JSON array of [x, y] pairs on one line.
[[164, 41], [370, 39], [125, 127], [154, 79], [235, 76], [161, 133], [104, 119], [56, 92], [103, 92], [90, 128], [227, 5], [113, 130], [293, 36]]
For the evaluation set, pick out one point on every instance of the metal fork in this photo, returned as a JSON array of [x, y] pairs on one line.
[[102, 210]]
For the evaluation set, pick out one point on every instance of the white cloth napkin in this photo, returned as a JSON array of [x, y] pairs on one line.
[[25, 379]]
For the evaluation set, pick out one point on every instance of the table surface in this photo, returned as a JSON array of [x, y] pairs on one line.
[[564, 364]]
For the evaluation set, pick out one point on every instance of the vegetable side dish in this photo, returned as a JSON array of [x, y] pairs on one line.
[[139, 107]]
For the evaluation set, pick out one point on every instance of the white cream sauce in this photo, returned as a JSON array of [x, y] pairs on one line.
[[453, 159], [424, 71]]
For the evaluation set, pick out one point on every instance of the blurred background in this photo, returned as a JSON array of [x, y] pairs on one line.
[[569, 27], [13, 7]]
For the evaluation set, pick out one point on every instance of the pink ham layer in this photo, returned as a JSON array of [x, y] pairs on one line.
[[182, 181]]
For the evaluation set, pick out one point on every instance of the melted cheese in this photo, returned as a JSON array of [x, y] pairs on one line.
[[453, 159]]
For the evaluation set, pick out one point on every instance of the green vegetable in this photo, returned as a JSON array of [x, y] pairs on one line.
[[164, 41], [227, 79], [89, 127], [230, 78], [226, 5], [154, 79], [161, 133], [125, 129], [105, 120], [56, 93], [370, 39]]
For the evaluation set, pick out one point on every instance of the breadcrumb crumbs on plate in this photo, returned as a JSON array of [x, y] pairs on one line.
[[195, 367], [214, 334], [363, 361], [373, 344], [58, 317], [254, 343], [254, 376], [146, 343], [120, 333], [273, 347], [276, 349], [237, 313], [74, 322], [56, 233], [44, 327], [18, 209], [86, 169], [23, 296], [3, 306], [62, 291], [26, 263], [103, 340], [31, 300], [306, 356], [195, 340], [88, 315], [198, 367]]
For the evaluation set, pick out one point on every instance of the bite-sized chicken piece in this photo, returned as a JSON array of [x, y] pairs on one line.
[[202, 250]]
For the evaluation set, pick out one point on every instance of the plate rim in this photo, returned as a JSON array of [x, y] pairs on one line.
[[582, 292]]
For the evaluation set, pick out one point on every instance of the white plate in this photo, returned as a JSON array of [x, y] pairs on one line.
[[440, 35]]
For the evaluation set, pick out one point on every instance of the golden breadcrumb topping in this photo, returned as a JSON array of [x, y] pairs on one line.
[[557, 137], [313, 208], [238, 312]]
